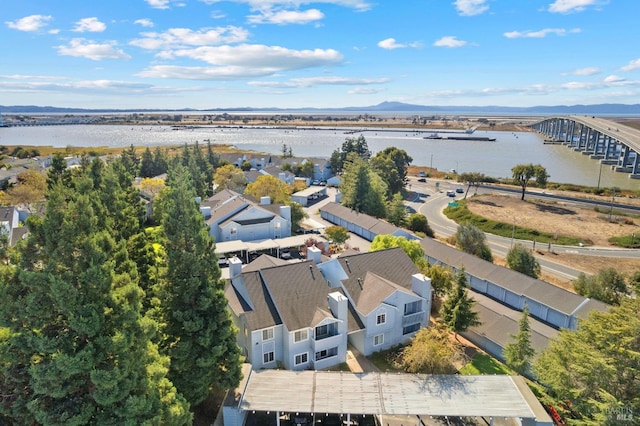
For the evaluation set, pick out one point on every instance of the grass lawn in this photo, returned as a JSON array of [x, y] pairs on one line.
[[484, 364]]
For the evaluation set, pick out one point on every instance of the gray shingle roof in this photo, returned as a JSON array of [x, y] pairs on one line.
[[541, 291], [378, 269], [288, 294]]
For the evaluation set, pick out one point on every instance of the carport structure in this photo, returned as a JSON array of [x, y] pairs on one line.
[[244, 248], [327, 392]]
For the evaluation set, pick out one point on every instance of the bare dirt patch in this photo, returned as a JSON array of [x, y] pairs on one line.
[[565, 219], [559, 217]]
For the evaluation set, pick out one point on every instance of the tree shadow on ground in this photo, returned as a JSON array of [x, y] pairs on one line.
[[549, 208]]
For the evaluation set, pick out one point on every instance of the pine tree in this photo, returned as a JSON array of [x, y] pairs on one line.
[[518, 354], [457, 310], [200, 337], [78, 349], [147, 166]]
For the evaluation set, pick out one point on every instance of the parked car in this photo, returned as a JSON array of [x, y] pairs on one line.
[[331, 420], [285, 254]]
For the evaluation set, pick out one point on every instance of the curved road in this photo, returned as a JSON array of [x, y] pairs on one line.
[[431, 201]]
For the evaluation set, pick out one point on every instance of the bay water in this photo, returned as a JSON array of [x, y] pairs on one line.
[[493, 158]]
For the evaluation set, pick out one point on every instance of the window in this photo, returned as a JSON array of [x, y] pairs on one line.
[[381, 318], [300, 335], [413, 307], [327, 330], [326, 353], [234, 230], [378, 339], [411, 328], [268, 357], [267, 334], [302, 358]]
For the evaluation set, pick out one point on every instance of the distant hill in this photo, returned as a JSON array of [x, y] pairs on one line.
[[595, 109]]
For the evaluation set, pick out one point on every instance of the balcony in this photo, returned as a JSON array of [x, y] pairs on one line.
[[418, 317]]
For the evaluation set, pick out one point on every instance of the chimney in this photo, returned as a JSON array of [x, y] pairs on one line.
[[285, 212], [314, 253], [339, 306], [421, 285], [235, 267]]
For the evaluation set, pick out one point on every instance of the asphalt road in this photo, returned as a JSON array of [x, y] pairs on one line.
[[431, 199]]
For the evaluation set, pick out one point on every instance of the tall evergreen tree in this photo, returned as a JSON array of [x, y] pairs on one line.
[[147, 166], [457, 310], [131, 162], [597, 366], [519, 353], [160, 162], [200, 337], [363, 190], [79, 351], [58, 172]]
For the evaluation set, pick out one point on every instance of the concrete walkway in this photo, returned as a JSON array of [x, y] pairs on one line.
[[358, 363]]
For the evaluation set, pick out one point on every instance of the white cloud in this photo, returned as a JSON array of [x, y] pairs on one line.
[[471, 7], [92, 25], [286, 17], [317, 81], [632, 65], [359, 5], [144, 22], [586, 71], [365, 91], [390, 44], [29, 23], [262, 56], [80, 47], [203, 73], [540, 33], [449, 41], [244, 61], [614, 79], [175, 38], [568, 6], [158, 4]]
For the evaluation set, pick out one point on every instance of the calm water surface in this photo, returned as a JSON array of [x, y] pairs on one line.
[[491, 158]]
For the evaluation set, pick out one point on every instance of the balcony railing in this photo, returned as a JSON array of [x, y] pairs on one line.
[[414, 318]]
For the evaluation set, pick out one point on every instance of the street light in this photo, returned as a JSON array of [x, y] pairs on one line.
[[513, 232]]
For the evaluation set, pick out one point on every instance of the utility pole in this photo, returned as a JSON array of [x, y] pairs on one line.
[[613, 200]]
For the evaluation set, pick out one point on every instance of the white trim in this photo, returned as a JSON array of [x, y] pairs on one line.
[[269, 333], [378, 339], [302, 338], [302, 355]]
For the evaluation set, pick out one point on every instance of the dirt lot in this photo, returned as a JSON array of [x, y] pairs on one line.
[[593, 227]]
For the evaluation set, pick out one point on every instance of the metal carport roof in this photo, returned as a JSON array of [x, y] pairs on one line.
[[230, 247], [387, 393]]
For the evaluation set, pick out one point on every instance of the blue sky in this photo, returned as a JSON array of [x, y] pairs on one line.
[[326, 53]]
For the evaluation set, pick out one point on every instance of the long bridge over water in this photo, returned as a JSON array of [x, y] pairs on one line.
[[604, 140]]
